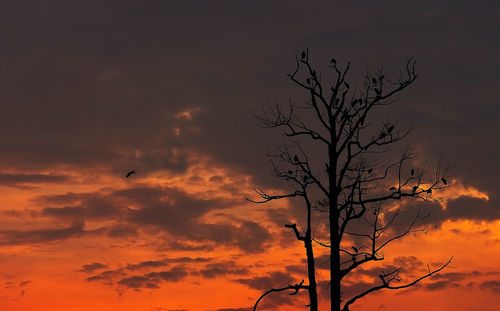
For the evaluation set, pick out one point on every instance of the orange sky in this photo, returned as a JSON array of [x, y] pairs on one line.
[[91, 269]]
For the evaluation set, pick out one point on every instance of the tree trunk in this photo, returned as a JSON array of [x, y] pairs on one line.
[[335, 298], [313, 293]]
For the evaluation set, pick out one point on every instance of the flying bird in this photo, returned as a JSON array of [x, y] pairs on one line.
[[444, 181], [130, 173]]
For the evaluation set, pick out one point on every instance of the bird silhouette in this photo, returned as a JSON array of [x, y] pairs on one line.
[[131, 173], [412, 172], [444, 181], [390, 128], [303, 54]]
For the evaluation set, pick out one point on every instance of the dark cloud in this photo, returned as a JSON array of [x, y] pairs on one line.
[[28, 180], [137, 282], [224, 268], [493, 285], [89, 206], [471, 208], [264, 283], [14, 237], [24, 283], [122, 231], [164, 262], [93, 87], [297, 269], [146, 264], [107, 276], [165, 208], [276, 279], [185, 246], [112, 71], [153, 280], [440, 285], [91, 267]]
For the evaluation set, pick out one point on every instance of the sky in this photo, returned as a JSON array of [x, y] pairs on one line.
[[90, 90]]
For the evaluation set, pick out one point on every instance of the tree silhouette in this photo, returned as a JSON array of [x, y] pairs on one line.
[[337, 159]]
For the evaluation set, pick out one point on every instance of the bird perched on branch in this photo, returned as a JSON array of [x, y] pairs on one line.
[[131, 173]]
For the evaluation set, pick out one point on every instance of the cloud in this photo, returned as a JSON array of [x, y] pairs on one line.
[[14, 237], [493, 285], [153, 280], [224, 268], [264, 283], [27, 180], [107, 276], [122, 231], [276, 279], [146, 264], [169, 209], [90, 268], [233, 309], [121, 276]]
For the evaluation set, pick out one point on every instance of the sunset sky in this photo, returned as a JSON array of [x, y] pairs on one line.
[[90, 90]]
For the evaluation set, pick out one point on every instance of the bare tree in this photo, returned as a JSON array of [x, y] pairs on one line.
[[336, 157]]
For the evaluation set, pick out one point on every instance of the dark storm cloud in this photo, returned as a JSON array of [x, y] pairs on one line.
[[90, 84], [98, 84]]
